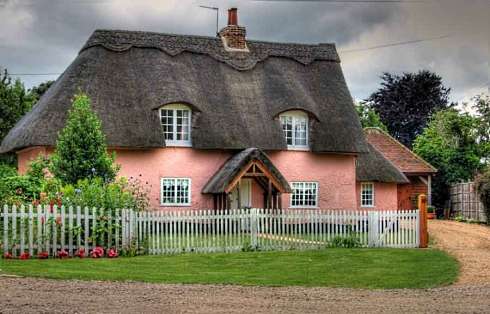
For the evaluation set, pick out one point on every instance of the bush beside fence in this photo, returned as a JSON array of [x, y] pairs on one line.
[[50, 229]]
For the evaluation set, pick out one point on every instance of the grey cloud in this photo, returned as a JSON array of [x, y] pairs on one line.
[[45, 35]]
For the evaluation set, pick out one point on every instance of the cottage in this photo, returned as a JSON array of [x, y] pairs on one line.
[[220, 122]]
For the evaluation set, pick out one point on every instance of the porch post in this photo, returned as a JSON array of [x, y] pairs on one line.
[[269, 194], [239, 201]]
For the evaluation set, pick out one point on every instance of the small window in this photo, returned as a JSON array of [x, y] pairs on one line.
[[295, 127], [367, 194], [176, 123], [305, 194], [176, 192]]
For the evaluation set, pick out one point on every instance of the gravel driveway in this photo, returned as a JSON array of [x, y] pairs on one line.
[[469, 243]]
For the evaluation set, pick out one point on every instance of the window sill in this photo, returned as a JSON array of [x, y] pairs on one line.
[[299, 148], [175, 205], [177, 144], [303, 207], [367, 206]]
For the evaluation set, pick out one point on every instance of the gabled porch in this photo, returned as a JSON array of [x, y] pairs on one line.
[[248, 178]]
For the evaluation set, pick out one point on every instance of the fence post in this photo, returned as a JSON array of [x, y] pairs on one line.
[[424, 236], [373, 228], [253, 227]]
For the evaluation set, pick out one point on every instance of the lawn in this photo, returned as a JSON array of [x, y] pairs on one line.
[[354, 268]]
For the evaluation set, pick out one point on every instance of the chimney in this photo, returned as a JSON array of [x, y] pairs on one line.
[[233, 36]]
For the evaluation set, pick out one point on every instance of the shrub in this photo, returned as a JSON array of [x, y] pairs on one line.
[[81, 151], [7, 171], [483, 188], [349, 241]]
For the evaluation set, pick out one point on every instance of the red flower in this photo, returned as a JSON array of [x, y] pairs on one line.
[[62, 254], [8, 255], [80, 253], [25, 256], [43, 255], [112, 253], [98, 252]]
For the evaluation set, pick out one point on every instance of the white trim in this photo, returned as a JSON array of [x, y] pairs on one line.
[[296, 115], [316, 195], [373, 198], [189, 203], [174, 108]]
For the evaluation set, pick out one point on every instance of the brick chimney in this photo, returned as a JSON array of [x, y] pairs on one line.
[[233, 36]]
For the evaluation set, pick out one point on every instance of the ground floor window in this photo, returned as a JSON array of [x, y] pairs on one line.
[[176, 191], [305, 194], [367, 194]]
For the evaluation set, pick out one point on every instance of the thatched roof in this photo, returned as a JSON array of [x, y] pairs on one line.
[[375, 167], [236, 96], [233, 166], [400, 155]]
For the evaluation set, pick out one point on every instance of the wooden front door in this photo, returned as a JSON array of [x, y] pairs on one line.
[[245, 194]]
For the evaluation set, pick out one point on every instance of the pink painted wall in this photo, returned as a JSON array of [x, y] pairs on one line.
[[334, 173], [385, 196], [25, 156]]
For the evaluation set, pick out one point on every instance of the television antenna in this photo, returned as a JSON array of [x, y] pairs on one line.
[[217, 15]]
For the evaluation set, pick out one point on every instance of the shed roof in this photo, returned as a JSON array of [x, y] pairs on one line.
[[402, 157], [235, 96]]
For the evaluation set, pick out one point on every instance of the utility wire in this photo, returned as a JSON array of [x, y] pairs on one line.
[[401, 43]]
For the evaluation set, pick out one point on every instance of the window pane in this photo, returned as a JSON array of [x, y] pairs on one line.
[[304, 194], [367, 194], [287, 127], [176, 191], [167, 118]]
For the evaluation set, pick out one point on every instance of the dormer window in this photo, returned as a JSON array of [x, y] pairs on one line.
[[176, 124], [295, 127]]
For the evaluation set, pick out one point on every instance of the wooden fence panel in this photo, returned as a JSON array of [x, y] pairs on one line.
[[465, 202]]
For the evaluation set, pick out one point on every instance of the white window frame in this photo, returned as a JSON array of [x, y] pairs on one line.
[[296, 116], [175, 204], [363, 184], [174, 108], [306, 206]]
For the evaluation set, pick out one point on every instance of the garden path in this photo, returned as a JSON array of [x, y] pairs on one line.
[[469, 243]]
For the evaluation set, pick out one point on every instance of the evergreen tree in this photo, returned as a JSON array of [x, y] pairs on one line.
[[81, 150]]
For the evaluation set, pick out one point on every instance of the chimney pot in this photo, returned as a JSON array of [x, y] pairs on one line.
[[233, 16]]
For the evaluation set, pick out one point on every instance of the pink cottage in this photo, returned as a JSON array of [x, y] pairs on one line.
[[220, 122]]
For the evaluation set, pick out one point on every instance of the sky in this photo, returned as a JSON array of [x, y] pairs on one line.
[[448, 37]]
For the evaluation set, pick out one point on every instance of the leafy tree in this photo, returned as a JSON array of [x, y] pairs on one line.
[[41, 89], [405, 103], [481, 104], [81, 150], [368, 117], [450, 143], [483, 188], [15, 101]]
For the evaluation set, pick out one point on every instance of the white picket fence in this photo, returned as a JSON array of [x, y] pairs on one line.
[[51, 229]]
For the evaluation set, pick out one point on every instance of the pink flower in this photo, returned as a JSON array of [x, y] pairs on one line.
[[7, 255], [25, 256], [112, 253], [43, 255], [98, 252], [62, 254], [80, 253]]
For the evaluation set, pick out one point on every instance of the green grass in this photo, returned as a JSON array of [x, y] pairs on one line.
[[355, 268]]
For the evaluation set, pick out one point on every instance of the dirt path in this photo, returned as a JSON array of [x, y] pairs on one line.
[[469, 243], [26, 295]]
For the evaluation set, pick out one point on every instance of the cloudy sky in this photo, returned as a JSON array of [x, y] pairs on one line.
[[449, 37]]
